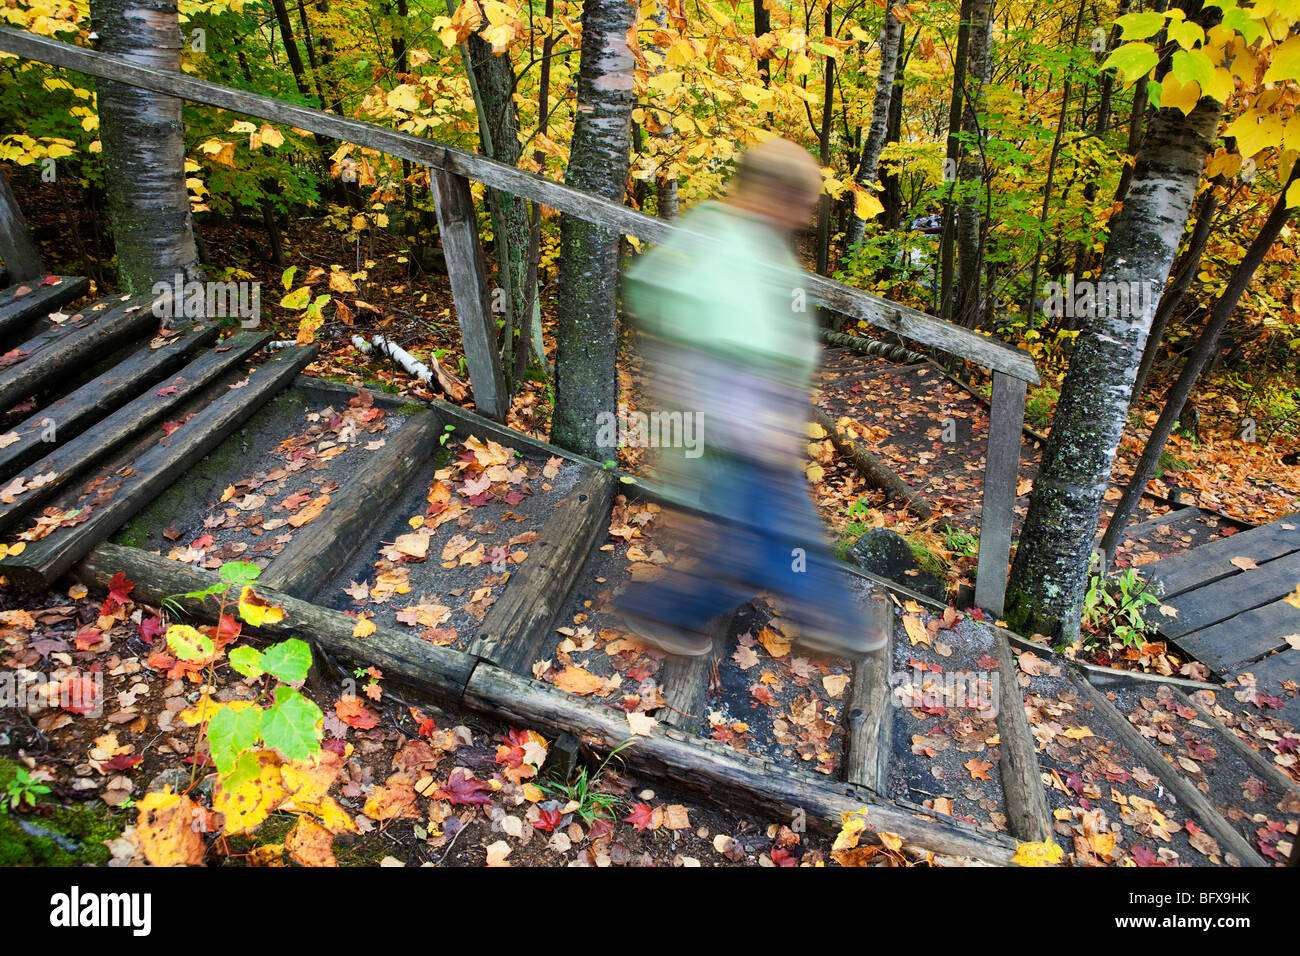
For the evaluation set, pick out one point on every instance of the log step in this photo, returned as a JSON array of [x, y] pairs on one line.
[[58, 468], [42, 562], [868, 710], [355, 512], [80, 341], [17, 311], [1250, 793], [514, 628], [684, 681], [459, 679], [1171, 775], [72, 414]]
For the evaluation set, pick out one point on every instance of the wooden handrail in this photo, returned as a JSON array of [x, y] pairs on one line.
[[900, 319]]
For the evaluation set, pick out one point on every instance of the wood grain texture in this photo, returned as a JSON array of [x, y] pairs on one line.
[[514, 627], [870, 709], [360, 505], [458, 227], [74, 412], [75, 457], [43, 561], [1001, 473]]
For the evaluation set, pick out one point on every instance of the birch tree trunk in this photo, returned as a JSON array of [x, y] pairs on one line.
[[143, 139], [1181, 390], [1048, 577], [891, 39], [586, 302]]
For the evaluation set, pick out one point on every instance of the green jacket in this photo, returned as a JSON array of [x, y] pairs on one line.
[[738, 297]]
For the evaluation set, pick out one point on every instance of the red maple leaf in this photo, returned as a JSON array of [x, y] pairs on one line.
[[463, 789], [164, 392], [80, 694], [548, 820], [169, 427], [118, 590], [641, 816], [783, 857], [151, 627], [124, 762]]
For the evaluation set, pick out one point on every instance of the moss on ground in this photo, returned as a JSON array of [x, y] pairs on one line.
[[85, 828]]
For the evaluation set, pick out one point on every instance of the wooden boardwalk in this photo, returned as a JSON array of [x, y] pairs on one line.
[[1233, 615]]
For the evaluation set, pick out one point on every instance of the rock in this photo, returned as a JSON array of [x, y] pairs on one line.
[[887, 554]]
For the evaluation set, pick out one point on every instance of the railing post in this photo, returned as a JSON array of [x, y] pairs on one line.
[[17, 248], [458, 227], [1001, 473]]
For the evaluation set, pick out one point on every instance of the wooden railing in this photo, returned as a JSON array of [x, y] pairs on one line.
[[450, 171]]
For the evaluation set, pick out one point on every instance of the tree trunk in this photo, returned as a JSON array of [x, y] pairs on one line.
[[586, 306], [1048, 577], [824, 141], [1173, 296], [970, 172], [144, 148], [891, 41], [950, 160], [1181, 390]]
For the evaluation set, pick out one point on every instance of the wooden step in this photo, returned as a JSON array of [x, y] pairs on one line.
[[1174, 516], [1228, 646], [1269, 675], [356, 509], [1193, 801], [514, 627], [1212, 561], [1232, 595], [684, 681], [41, 563], [1022, 787], [869, 709], [72, 414], [75, 344], [61, 466], [18, 311], [1246, 790]]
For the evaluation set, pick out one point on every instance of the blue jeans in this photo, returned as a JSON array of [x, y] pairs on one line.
[[767, 537]]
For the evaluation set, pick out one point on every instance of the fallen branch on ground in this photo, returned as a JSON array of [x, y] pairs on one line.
[[872, 468], [453, 387]]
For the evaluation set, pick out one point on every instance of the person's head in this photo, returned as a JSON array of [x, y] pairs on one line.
[[779, 181]]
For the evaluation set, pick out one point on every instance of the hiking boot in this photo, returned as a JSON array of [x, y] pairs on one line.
[[669, 637], [867, 642]]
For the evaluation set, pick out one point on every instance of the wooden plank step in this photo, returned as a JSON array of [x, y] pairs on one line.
[[514, 627], [1170, 775], [70, 415], [43, 561], [1022, 787], [457, 678], [321, 549], [1230, 596], [17, 311], [441, 671], [73, 345], [1212, 561], [869, 708], [58, 468], [1269, 675], [1246, 637], [684, 681], [1174, 516]]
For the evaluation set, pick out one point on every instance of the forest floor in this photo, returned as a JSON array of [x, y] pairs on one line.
[[388, 746]]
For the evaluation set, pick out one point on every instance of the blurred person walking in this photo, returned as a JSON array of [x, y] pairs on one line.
[[727, 338]]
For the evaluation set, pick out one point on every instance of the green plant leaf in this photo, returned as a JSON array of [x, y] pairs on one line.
[[230, 732], [248, 661], [288, 661], [290, 725], [239, 572], [187, 643]]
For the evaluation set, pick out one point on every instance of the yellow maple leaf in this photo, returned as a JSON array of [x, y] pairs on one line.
[[1038, 854]]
